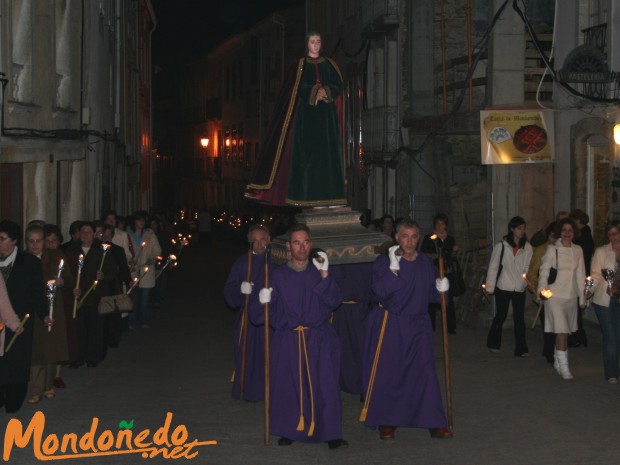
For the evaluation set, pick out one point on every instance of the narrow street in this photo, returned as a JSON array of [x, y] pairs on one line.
[[507, 410]]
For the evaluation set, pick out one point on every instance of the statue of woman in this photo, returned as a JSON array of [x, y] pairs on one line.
[[300, 162]]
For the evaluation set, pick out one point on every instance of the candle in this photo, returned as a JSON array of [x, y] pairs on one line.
[[137, 280], [172, 259], [546, 293], [105, 248], [61, 266], [77, 283], [21, 325], [90, 289], [51, 294]]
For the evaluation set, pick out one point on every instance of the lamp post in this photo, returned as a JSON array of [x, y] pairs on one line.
[[204, 143]]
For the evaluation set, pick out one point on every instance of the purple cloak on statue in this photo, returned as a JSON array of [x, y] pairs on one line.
[[299, 314], [406, 391], [350, 321], [254, 383]]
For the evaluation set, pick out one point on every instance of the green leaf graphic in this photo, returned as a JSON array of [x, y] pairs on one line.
[[124, 425]]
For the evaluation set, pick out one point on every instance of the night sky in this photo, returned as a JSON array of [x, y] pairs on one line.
[[188, 28]]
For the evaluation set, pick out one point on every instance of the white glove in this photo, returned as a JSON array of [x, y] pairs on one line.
[[321, 266], [442, 285], [246, 288], [264, 295], [394, 259]]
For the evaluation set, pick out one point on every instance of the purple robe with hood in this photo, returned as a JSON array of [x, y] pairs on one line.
[[254, 383], [406, 390], [301, 303]]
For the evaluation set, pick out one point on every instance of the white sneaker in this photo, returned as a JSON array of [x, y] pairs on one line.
[[494, 351], [612, 380]]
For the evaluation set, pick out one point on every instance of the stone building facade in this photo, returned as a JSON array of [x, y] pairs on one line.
[[76, 126]]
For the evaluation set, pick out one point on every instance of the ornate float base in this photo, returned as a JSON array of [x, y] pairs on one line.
[[337, 231]]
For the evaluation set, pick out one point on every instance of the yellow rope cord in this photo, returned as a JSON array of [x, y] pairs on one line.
[[301, 340], [373, 372]]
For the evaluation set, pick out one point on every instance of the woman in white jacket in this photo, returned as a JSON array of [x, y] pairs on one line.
[[607, 308], [568, 287], [509, 263]]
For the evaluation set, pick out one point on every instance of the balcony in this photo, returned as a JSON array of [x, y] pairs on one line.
[[380, 131], [379, 16]]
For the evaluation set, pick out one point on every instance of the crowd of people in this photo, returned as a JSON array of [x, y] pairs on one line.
[[65, 304], [301, 300], [562, 270]]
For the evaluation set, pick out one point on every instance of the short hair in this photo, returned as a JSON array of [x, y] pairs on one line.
[[580, 215], [11, 229], [310, 34], [50, 229], [560, 224], [98, 224], [90, 224], [296, 228], [612, 224], [75, 227], [440, 217], [550, 229], [36, 223], [561, 214], [257, 227], [34, 228], [406, 223], [107, 213]]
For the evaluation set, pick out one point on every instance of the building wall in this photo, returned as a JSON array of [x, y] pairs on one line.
[[65, 125]]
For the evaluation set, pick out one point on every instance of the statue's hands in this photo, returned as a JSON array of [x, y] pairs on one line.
[[321, 95]]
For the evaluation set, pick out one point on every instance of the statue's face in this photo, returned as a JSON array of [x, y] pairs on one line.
[[314, 46]]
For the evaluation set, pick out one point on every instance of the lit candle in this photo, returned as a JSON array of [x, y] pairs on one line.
[[61, 266], [137, 280], [171, 259], [546, 293], [77, 283], [105, 248], [90, 289], [21, 325]]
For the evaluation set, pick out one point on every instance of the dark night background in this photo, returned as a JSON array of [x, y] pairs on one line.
[[188, 28]]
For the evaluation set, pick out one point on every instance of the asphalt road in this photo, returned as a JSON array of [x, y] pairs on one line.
[[506, 410]]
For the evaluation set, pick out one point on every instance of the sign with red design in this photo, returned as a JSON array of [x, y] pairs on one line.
[[516, 136]]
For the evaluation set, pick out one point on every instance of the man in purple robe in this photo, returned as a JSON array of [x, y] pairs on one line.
[[305, 351], [237, 290], [400, 381]]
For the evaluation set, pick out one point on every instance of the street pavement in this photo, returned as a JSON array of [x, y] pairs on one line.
[[506, 410]]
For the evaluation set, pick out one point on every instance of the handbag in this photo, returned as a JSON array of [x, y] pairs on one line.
[[553, 271], [120, 303], [457, 283]]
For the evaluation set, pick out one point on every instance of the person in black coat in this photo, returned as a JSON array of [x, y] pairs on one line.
[[586, 242], [23, 275]]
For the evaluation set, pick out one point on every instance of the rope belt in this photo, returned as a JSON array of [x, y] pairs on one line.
[[373, 371], [301, 342]]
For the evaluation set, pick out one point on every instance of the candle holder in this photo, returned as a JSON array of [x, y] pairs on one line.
[[587, 290], [50, 291], [608, 275]]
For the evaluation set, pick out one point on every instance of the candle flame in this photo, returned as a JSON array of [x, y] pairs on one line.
[[433, 237], [51, 281], [143, 244], [172, 257], [61, 264], [546, 293]]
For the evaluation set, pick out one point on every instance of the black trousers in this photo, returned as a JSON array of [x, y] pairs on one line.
[[450, 314], [12, 396], [502, 303], [91, 336]]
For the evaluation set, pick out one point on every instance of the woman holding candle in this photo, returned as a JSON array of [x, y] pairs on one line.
[[509, 261], [96, 273], [568, 287], [607, 307], [23, 275], [147, 248], [49, 348], [53, 241], [443, 244]]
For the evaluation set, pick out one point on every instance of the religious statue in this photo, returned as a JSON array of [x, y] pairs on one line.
[[301, 159]]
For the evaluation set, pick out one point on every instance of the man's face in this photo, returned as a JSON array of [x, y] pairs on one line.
[[35, 243], [260, 240], [110, 219], [408, 239], [299, 246], [99, 233], [86, 236], [7, 245], [52, 242]]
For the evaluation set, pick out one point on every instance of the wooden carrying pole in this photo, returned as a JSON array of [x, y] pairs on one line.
[[446, 354], [267, 367], [244, 327]]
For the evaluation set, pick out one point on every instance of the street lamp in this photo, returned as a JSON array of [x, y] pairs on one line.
[[204, 142], [617, 133]]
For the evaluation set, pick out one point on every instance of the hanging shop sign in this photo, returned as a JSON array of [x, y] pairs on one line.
[[516, 136]]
